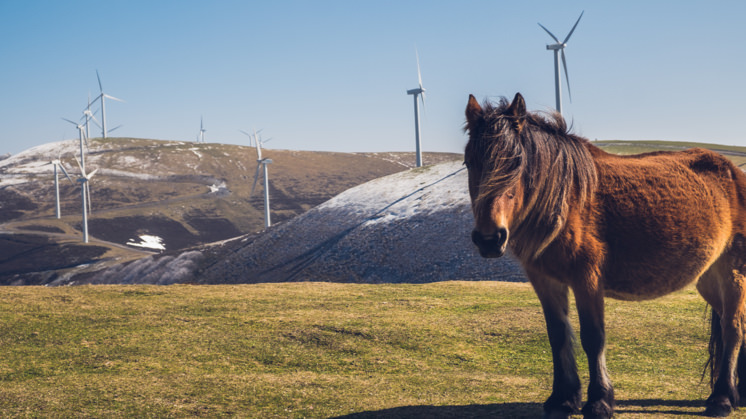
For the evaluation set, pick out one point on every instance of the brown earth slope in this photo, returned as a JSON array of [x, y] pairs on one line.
[[185, 193]]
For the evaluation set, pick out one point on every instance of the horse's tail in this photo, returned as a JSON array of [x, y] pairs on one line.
[[715, 348]]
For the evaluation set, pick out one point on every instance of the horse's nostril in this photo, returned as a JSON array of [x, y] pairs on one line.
[[501, 236], [492, 245], [476, 237]]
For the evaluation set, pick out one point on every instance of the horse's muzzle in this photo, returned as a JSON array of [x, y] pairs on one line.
[[493, 245]]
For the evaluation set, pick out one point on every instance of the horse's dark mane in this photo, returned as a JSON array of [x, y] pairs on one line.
[[554, 165]]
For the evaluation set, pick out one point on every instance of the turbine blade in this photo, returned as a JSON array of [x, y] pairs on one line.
[[567, 76], [117, 127], [80, 166], [256, 177], [419, 74], [65, 172], [550, 34], [113, 98], [573, 28], [99, 83], [90, 175], [74, 123]]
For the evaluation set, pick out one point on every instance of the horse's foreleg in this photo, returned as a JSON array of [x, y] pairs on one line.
[[589, 300], [566, 393]]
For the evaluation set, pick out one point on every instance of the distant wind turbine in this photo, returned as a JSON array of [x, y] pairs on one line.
[[88, 115], [202, 130], [103, 96], [57, 163], [559, 48], [84, 179], [83, 139], [261, 166], [250, 135], [420, 91]]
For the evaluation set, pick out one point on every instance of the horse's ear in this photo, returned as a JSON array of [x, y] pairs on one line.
[[473, 113], [517, 112]]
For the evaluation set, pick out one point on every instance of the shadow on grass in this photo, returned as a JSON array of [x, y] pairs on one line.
[[661, 407], [501, 410], [527, 410]]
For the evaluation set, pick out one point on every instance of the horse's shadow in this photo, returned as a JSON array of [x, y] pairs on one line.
[[527, 410]]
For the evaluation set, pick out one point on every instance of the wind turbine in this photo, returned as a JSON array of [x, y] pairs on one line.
[[103, 96], [420, 91], [84, 179], [261, 165], [249, 135], [202, 131], [57, 163], [88, 115], [83, 139], [559, 48]]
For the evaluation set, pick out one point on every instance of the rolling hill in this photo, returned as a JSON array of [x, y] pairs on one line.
[[409, 226], [184, 194]]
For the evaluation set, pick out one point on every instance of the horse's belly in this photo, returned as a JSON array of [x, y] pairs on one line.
[[657, 269], [662, 235]]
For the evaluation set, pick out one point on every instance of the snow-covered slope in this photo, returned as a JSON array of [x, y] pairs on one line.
[[409, 227]]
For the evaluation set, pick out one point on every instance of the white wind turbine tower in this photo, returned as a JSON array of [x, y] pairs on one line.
[[57, 163], [420, 91], [559, 48], [103, 96], [261, 165], [84, 179]]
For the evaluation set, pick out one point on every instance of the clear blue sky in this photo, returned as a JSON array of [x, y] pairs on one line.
[[333, 75]]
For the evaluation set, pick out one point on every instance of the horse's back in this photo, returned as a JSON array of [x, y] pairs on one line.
[[666, 217]]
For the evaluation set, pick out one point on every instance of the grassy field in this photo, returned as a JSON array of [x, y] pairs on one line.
[[323, 350]]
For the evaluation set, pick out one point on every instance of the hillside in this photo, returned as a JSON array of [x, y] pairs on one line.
[[183, 194], [410, 227]]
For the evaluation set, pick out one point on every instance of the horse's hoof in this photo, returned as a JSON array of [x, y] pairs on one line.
[[598, 410], [718, 410]]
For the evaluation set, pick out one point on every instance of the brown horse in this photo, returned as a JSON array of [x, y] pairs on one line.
[[626, 227]]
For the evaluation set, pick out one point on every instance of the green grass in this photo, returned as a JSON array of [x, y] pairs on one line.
[[322, 350]]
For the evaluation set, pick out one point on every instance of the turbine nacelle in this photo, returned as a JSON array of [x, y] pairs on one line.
[[555, 47], [559, 53]]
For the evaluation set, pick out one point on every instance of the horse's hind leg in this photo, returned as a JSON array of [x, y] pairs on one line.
[[726, 292]]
